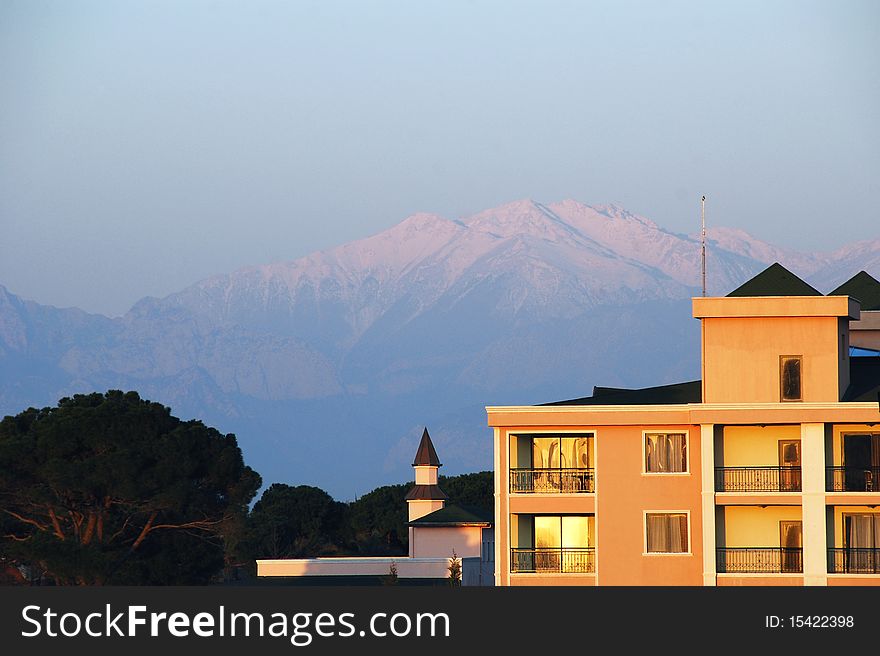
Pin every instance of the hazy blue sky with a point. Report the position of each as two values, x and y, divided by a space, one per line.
146 145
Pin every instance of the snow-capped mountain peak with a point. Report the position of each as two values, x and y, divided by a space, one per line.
344 350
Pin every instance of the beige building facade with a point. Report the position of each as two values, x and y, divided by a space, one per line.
766 471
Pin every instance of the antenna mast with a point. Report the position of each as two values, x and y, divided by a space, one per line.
703 242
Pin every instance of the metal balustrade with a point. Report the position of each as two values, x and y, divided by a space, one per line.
549 560
552 481
757 479
852 479
854 560
759 560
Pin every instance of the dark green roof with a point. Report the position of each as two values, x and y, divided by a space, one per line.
864 380
426 455
456 516
864 385
775 280
862 287
689 392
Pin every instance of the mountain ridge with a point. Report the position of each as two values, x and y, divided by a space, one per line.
357 347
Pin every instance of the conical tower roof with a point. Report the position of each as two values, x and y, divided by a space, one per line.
426 456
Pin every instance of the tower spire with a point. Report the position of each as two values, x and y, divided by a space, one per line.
425 496
426 456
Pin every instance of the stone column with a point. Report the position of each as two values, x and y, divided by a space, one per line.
707 475
813 511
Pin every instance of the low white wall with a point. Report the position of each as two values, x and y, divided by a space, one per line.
407 568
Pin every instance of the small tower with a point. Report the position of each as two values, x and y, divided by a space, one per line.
425 496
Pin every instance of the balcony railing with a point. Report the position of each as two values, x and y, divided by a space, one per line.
553 481
854 560
757 479
852 479
759 560
549 560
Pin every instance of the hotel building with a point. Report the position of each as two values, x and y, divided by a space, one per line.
764 472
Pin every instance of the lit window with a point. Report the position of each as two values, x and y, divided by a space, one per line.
666 532
551 464
561 452
665 453
790 377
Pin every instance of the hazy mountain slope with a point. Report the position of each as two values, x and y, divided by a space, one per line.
327 366
844 262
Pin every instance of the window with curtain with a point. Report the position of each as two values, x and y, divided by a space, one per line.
862 531
562 543
665 453
565 531
561 452
862 535
552 464
790 377
666 532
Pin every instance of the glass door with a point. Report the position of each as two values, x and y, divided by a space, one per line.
861 459
791 544
563 543
545 460
548 543
861 535
576 541
790 463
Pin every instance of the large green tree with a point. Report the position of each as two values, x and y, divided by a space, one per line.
111 488
295 522
378 521
476 489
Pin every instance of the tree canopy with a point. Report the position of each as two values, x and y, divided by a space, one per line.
378 521
111 488
296 522
305 522
477 489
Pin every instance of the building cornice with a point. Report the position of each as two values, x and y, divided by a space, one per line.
775 306
562 409
690 413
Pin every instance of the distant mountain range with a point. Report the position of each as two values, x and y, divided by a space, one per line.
328 367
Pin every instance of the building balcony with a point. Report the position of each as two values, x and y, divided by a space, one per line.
552 481
553 560
757 479
852 479
760 560
853 560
